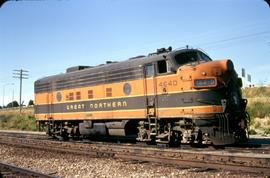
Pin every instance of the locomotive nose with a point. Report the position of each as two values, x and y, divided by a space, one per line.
211 74
228 70
221 68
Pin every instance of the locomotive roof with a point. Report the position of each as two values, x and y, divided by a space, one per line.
130 63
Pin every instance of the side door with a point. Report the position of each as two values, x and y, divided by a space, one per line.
150 89
50 103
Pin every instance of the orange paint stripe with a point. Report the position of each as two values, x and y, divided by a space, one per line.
133 114
182 111
121 114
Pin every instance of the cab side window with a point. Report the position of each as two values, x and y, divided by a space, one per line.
162 66
149 70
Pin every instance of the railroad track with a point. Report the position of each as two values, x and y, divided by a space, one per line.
214 159
254 145
8 170
23 134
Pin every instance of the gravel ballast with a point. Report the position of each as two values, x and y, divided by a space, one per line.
71 165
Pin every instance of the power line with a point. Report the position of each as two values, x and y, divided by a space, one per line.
234 38
20 74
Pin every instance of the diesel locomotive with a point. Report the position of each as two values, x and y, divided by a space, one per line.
169 96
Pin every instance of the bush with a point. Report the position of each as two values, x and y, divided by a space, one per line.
31 103
257 125
13 104
267 130
259 109
252 132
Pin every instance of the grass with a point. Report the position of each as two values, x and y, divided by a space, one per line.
257 125
267 130
256 92
252 132
258 101
12 120
258 108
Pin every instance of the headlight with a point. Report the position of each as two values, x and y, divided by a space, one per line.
205 83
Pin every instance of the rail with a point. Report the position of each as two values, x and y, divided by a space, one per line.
216 159
8 170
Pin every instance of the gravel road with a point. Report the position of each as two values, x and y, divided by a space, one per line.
70 165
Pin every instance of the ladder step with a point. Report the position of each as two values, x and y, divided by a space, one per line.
161 136
159 141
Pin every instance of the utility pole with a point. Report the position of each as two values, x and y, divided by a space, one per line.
20 74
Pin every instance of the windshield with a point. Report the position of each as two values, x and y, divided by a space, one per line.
191 57
204 57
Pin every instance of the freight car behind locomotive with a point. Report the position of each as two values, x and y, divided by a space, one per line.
173 97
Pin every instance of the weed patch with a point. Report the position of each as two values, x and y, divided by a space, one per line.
14 121
259 109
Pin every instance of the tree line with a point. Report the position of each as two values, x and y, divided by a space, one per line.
14 104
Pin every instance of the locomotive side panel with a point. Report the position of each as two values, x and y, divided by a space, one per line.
122 100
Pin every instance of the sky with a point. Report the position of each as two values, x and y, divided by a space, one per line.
45 37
